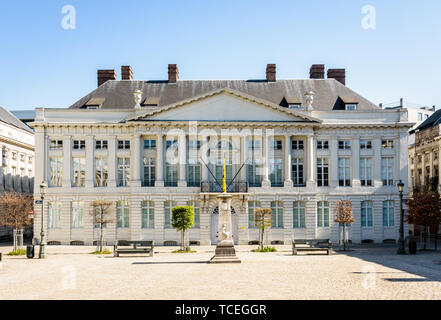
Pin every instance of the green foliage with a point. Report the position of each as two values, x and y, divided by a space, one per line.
102 252
265 249
182 217
17 252
187 250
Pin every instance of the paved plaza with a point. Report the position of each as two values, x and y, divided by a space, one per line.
72 272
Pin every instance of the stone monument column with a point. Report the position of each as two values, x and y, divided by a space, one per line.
225 252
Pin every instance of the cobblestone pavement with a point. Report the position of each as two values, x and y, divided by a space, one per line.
364 273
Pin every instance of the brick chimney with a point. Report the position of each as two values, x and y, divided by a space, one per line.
126 73
337 74
104 75
271 72
173 73
317 71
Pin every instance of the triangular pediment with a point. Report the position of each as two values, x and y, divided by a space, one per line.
223 105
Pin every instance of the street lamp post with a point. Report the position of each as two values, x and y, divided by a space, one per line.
401 249
42 253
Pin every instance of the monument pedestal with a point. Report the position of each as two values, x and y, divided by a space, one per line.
225 252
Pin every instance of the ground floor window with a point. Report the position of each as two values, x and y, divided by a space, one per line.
366 213
77 214
323 214
54 214
197 213
252 206
299 214
148 214
277 214
122 214
388 213
168 206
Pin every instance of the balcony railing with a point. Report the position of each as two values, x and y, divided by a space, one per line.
211 186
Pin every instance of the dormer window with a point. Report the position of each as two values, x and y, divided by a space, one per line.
350 107
94 103
293 102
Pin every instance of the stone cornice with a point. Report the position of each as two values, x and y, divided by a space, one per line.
17 143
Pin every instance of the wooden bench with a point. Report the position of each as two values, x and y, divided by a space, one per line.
124 246
311 245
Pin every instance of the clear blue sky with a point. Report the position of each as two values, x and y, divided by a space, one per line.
44 65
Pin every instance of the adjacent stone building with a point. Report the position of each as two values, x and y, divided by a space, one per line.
296 146
17 157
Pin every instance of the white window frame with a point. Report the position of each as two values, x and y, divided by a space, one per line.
299 215
366 172
147 214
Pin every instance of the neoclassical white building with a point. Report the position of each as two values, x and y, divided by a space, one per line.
17 158
296 146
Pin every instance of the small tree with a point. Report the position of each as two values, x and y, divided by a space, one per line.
262 220
343 215
101 213
424 210
14 211
182 219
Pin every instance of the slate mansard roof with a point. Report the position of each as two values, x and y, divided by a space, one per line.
9 118
329 94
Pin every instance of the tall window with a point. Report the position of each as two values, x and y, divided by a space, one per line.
344 168
101 144
387 171
56 144
171 169
123 172
194 173
322 172
168 206
194 144
365 144
197 213
79 144
276 173
79 172
171 175
344 144
77 214
56 165
123 144
254 178
366 213
388 213
149 172
387 144
323 214
122 214
276 144
297 171
252 206
297 144
54 214
228 168
148 214
149 144
366 171
277 214
254 144
322 144
299 214
101 172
